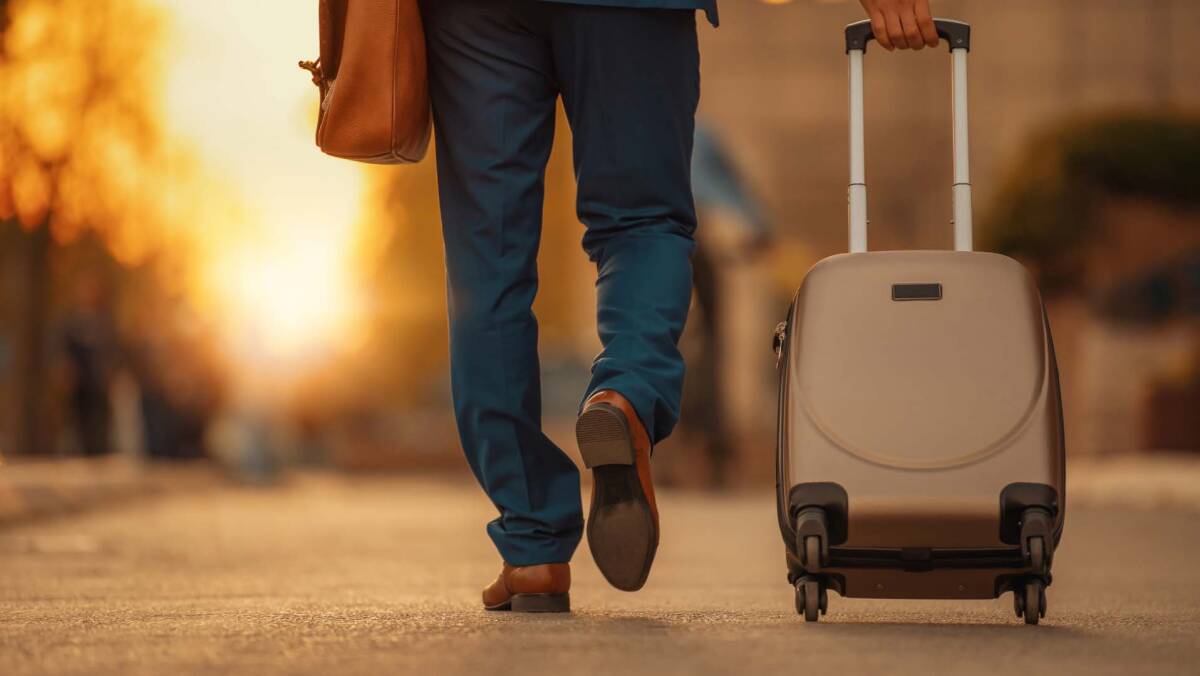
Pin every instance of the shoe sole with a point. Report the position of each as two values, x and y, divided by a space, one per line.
621 531
535 603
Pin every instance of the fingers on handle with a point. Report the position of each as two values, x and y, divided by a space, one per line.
879 28
925 23
912 34
895 30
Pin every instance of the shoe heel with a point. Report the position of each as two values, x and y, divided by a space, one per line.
541 603
602 433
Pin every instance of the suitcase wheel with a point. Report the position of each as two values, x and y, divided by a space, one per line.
1037 554
812 538
1029 601
812 552
812 599
1036 528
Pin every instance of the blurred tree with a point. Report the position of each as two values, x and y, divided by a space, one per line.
1049 207
79 150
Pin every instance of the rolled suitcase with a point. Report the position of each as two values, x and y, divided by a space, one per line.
920 442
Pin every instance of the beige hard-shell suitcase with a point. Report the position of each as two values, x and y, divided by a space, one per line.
920 449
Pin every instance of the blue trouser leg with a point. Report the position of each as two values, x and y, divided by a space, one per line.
496 69
630 85
494 103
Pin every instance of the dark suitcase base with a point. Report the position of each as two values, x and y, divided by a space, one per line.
819 559
1029 591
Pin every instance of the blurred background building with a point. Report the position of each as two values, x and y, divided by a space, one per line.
183 275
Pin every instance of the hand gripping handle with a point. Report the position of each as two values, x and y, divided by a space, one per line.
958 35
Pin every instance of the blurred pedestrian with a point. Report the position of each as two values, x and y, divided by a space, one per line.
90 354
179 391
735 231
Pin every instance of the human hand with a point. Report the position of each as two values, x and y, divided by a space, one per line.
906 24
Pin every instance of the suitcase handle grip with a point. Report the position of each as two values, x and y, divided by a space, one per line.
958 35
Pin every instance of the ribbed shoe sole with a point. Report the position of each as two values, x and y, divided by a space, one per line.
621 531
603 436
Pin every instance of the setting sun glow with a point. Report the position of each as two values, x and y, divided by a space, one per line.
278 276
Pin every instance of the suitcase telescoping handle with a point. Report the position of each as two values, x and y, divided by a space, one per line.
958 35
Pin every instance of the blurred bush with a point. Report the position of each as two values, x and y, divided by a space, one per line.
1050 205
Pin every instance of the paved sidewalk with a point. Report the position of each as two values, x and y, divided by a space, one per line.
1145 481
368 576
48 488
36 489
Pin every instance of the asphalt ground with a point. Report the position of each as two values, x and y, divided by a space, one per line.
382 575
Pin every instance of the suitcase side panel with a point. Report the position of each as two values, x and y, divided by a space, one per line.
919 384
946 506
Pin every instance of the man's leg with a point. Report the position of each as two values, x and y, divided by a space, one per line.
494 97
630 82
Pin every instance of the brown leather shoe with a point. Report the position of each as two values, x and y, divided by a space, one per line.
530 589
622 527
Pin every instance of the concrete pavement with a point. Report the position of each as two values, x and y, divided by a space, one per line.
335 575
57 487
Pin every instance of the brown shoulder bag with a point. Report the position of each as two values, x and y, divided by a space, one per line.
373 82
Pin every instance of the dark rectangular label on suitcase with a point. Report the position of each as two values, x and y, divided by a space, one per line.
932 291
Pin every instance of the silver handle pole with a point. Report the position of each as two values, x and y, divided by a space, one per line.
958 35
963 240
857 194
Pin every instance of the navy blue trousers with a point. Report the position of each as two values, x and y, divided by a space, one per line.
629 80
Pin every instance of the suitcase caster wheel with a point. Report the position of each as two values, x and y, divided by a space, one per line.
1036 528
1030 601
812 599
1037 554
812 552
812 538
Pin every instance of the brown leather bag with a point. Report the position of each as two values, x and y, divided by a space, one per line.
373 81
